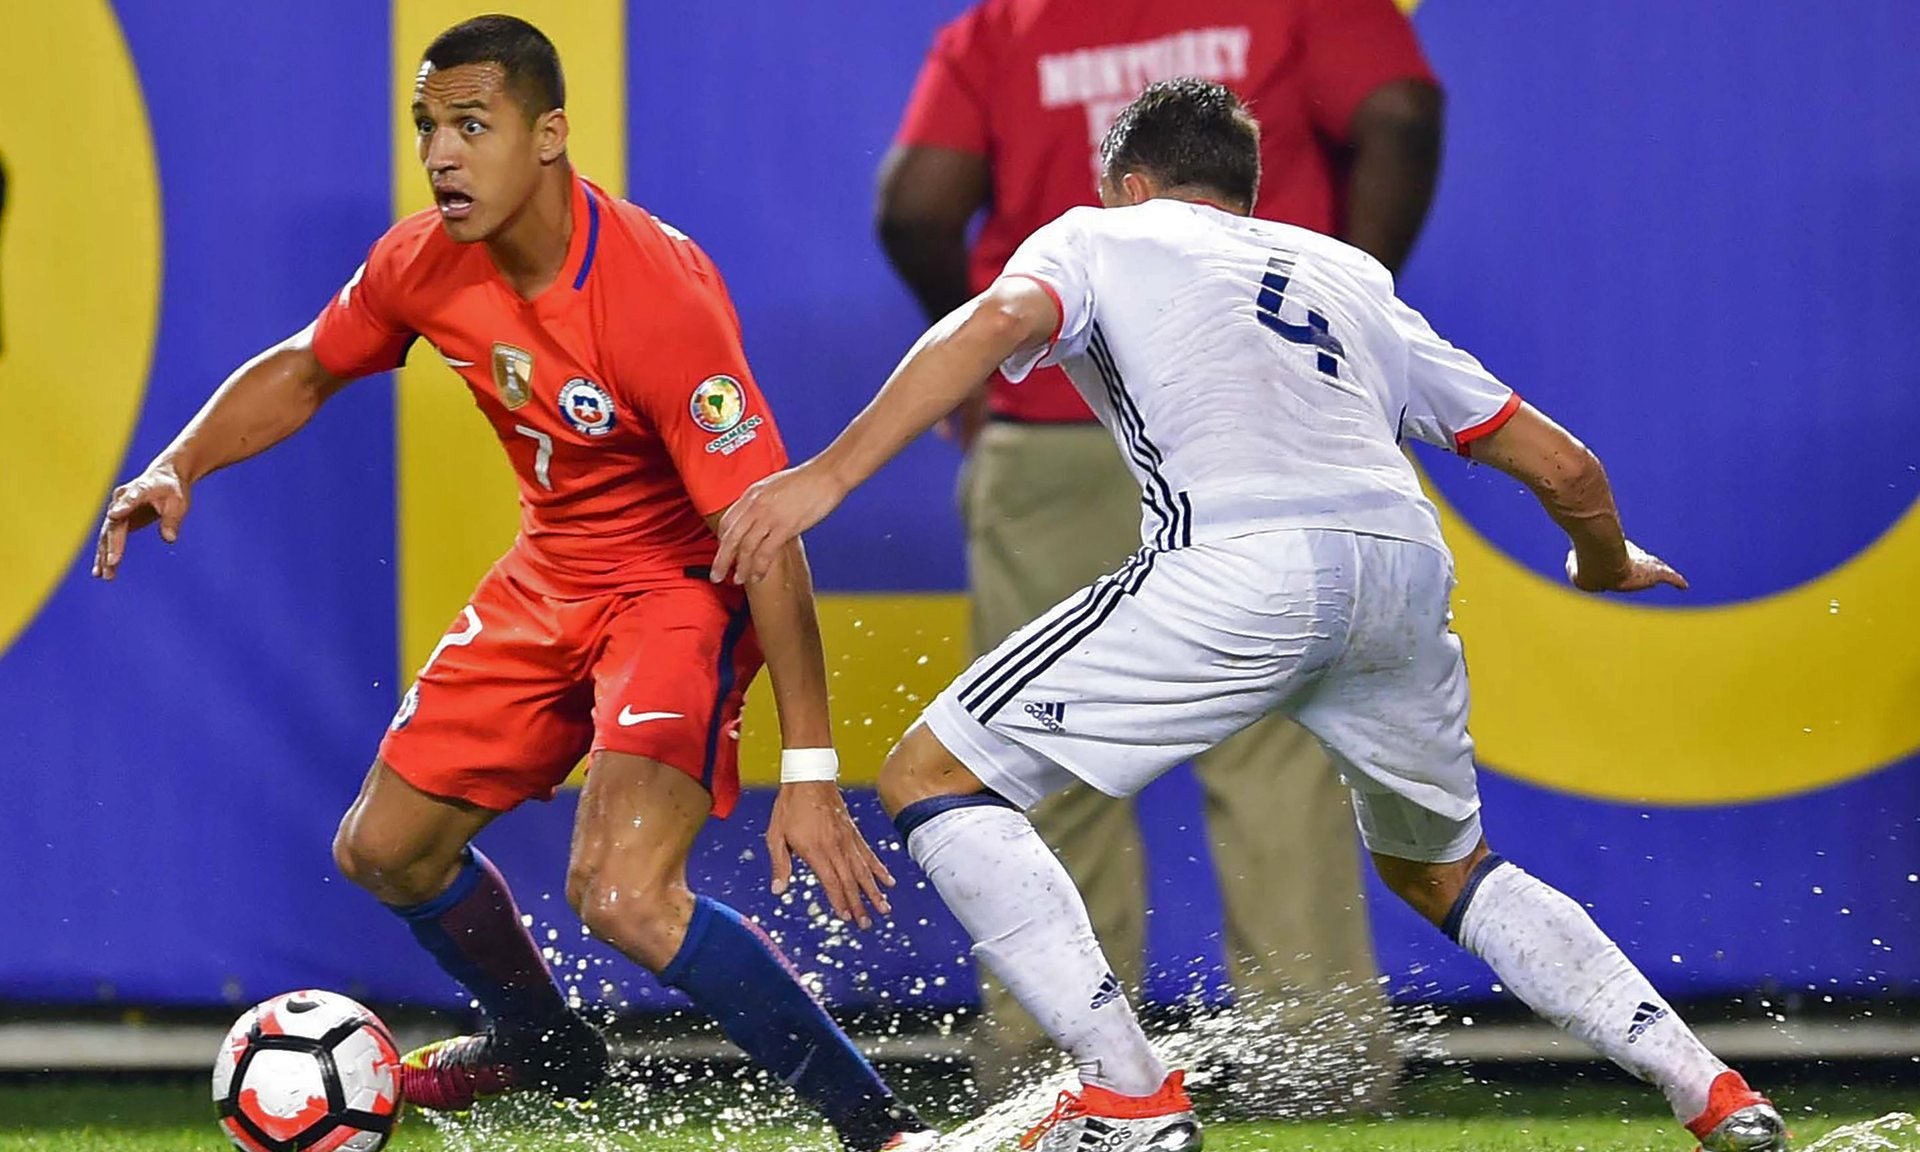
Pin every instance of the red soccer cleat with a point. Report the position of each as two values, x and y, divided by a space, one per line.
453 1075
1097 1118
1738 1119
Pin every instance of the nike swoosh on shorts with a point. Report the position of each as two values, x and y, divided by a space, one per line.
628 717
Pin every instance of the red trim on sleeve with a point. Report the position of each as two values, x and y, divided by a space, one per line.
1050 290
1463 439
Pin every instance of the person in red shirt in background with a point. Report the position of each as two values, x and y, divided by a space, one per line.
1006 117
603 348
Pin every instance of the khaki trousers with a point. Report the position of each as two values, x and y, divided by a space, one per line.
1048 509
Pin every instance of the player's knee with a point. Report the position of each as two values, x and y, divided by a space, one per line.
902 782
1426 893
644 917
352 855
396 873
1429 889
920 768
344 860
894 784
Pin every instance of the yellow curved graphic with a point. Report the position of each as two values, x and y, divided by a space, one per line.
1606 698
79 286
1763 698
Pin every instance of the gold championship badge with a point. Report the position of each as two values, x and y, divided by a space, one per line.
513 375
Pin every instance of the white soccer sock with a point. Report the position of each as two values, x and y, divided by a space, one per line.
1015 899
1554 957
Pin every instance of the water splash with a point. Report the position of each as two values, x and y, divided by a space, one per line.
1293 1057
1894 1132
1282 1058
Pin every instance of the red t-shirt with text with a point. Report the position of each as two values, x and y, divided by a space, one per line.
1034 84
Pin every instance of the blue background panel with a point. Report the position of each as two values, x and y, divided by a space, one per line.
1683 230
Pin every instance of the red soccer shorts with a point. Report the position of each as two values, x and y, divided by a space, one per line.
523 685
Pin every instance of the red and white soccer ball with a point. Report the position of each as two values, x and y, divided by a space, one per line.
308 1072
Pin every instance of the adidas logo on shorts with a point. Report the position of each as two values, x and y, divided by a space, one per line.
1052 715
1644 1017
1107 993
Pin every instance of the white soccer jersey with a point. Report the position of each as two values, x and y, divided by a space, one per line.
1256 375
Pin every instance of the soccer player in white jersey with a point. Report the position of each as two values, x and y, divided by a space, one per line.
1259 379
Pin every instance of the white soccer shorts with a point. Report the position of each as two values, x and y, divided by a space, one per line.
1178 650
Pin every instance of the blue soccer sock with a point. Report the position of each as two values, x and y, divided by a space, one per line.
473 929
738 976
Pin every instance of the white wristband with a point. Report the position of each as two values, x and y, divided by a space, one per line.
809 765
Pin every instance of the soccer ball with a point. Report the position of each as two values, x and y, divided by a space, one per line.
308 1072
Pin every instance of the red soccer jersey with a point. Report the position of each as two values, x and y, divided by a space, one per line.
1034 85
621 393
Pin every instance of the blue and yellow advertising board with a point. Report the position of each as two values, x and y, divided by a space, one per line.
1684 233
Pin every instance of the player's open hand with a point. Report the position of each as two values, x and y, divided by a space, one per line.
811 820
769 516
1642 571
155 495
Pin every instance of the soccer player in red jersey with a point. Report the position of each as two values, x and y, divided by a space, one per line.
604 350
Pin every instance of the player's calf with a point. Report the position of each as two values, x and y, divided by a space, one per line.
411 851
627 880
1016 901
1553 956
627 877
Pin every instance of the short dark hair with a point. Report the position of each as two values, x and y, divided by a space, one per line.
523 52
1187 133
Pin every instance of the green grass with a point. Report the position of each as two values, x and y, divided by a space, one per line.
1441 1114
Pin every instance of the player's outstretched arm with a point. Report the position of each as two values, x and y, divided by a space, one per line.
948 364
810 817
1572 486
266 400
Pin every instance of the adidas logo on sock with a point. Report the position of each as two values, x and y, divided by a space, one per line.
1107 993
1644 1017
1051 714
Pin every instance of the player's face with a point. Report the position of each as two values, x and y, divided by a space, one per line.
482 156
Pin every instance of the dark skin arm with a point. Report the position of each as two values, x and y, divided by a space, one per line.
266 400
925 200
810 820
1395 162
